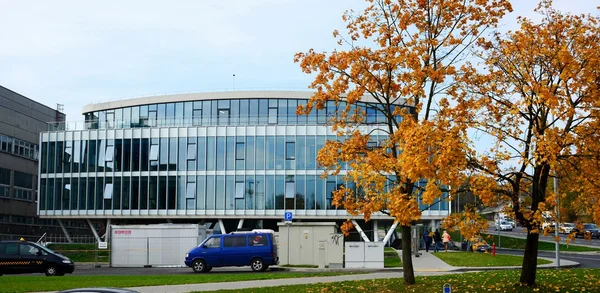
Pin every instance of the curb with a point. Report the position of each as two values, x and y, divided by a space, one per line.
566 252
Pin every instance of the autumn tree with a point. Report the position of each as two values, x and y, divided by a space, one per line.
400 58
536 96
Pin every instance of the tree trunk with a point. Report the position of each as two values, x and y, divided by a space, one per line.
528 270
407 266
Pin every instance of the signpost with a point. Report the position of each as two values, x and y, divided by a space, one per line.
447 288
287 218
103 246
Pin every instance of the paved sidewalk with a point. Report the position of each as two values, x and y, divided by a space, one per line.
428 262
263 283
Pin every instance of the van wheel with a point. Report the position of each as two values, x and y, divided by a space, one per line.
199 266
258 265
51 270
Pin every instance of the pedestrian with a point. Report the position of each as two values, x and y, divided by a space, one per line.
427 239
437 239
446 239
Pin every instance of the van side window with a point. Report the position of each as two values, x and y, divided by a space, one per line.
234 241
9 248
27 249
214 242
258 240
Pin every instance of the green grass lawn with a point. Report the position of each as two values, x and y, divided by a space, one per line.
15 283
391 259
80 252
574 280
518 243
477 259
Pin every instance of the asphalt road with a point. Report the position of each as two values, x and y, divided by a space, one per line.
519 232
585 260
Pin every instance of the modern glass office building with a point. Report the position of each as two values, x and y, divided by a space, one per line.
215 157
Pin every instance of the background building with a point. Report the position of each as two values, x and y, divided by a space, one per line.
21 121
231 159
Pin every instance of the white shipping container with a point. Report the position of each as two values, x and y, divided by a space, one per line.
154 245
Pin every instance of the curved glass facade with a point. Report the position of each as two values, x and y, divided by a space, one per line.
218 112
245 157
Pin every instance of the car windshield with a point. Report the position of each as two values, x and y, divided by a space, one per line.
589 226
568 225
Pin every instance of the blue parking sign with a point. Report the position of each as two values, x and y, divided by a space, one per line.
288 216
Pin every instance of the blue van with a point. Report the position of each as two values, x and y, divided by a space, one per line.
256 249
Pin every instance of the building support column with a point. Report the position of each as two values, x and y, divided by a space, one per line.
240 224
390 232
107 231
222 226
375 232
212 225
93 230
62 226
360 231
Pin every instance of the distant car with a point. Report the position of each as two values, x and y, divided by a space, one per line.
511 222
480 245
99 290
255 249
503 226
588 229
23 257
566 228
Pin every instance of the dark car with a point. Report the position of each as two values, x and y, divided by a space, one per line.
22 257
588 229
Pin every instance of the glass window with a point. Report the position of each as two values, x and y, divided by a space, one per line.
270 153
223 116
206 114
210 149
311 153
110 152
9 248
210 192
230 153
272 115
239 150
182 162
371 115
171 192
197 117
244 105
253 112
220 193
200 191
250 193
290 154
220 153
320 194
239 190
249 152
214 242
198 105
331 187
258 240
263 111
279 192
191 152
153 152
234 241
201 153
291 112
108 191
290 189
270 192
300 192
230 192
282 119
279 153
172 154
179 111
260 153
310 192
235 112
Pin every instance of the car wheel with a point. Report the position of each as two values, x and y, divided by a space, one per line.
199 266
51 270
257 265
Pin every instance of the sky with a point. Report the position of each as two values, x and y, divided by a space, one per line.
81 52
